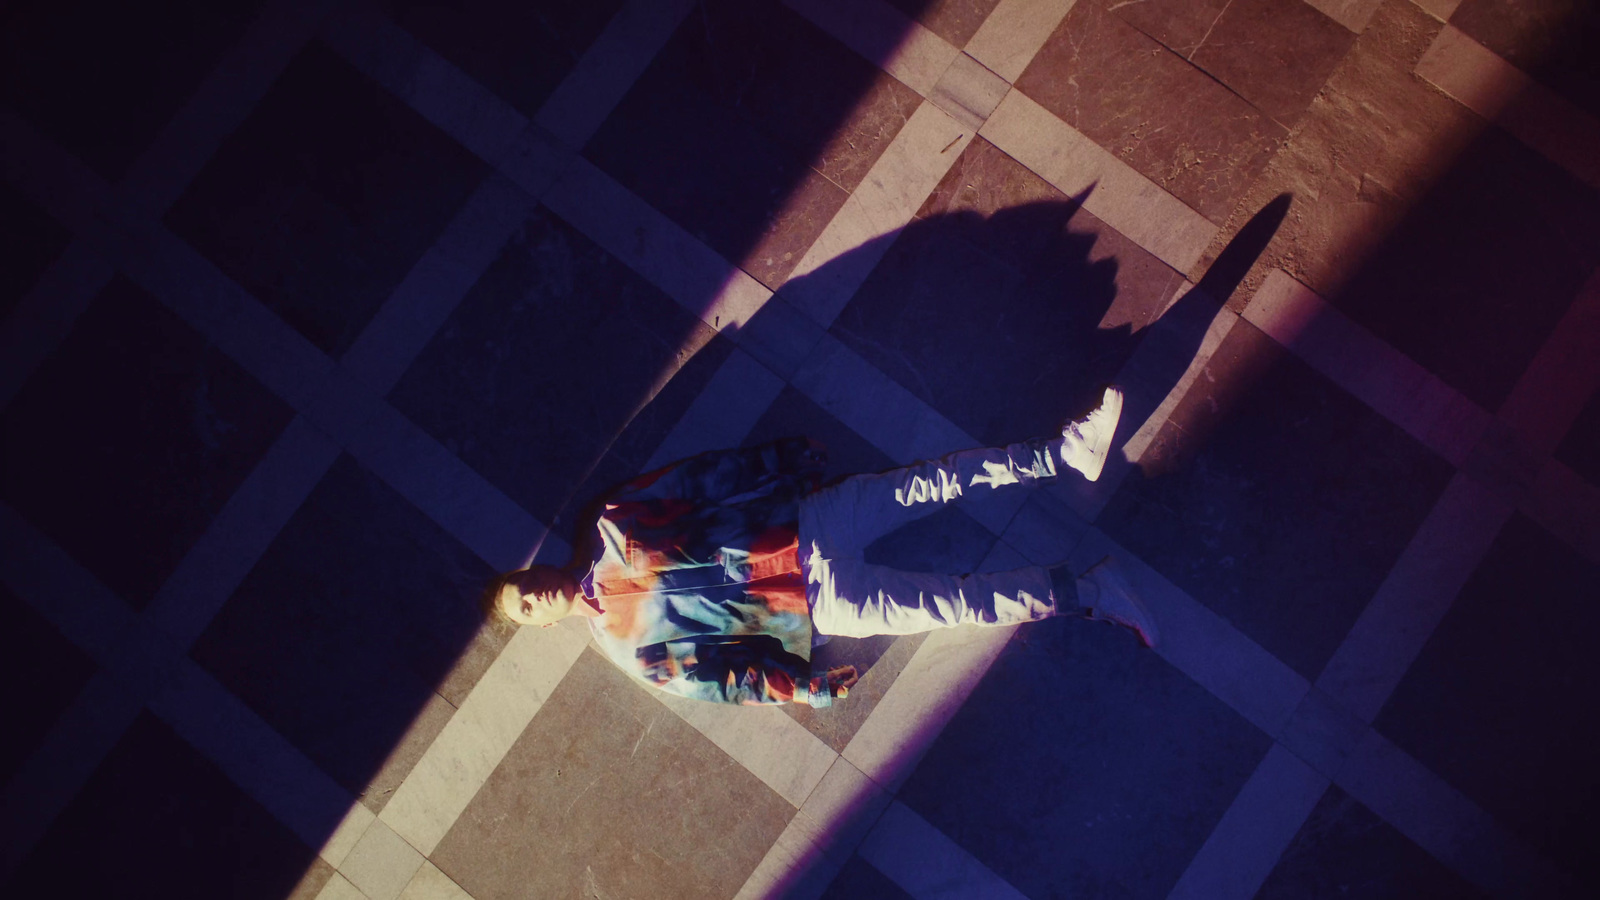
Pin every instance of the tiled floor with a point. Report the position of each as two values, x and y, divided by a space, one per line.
318 313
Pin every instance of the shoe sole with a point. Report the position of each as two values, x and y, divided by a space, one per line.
1112 401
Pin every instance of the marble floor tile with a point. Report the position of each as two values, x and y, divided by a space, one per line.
49 671
320 203
368 604
1274 53
1490 702
1580 449
160 816
1344 850
1281 503
103 81
38 239
1064 768
622 797
519 51
542 436
164 428
1552 40
859 879
719 135
1174 124
381 863
954 20
1503 222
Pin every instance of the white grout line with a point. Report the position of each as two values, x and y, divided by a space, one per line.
821 837
1567 506
1117 194
1500 92
222 101
1417 802
1245 845
1352 14
1439 9
1562 377
477 737
926 863
723 413
849 248
1014 33
719 293
45 315
769 744
437 283
1377 374
1415 596
609 68
885 37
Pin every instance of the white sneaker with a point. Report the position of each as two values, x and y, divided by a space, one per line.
1087 442
1115 601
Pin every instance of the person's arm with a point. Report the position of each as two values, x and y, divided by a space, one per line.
746 669
723 474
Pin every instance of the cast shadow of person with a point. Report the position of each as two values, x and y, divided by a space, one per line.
1006 323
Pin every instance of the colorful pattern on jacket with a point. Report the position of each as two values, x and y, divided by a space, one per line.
697 571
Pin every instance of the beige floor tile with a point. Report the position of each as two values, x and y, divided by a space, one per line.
772 746
346 833
381 863
969 92
339 888
431 884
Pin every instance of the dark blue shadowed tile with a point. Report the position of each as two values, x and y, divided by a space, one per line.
352 618
860 880
749 129
46 671
1005 305
1084 765
1276 499
521 51
102 79
547 360
1473 280
1345 852
323 199
1500 701
1580 449
158 819
33 241
131 437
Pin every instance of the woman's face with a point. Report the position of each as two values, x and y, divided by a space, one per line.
540 595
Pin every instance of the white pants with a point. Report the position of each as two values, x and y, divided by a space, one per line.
852 598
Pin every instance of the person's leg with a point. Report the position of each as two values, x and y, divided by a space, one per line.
844 518
852 598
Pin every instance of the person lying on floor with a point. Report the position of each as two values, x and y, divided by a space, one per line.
714 577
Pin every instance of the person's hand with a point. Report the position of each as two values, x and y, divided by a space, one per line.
841 679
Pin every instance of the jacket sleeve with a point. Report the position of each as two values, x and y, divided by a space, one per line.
746 669
725 474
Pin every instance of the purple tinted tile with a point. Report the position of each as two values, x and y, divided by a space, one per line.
323 199
1553 40
130 437
1274 53
1500 700
104 78
1345 851
749 129
860 879
1276 499
1082 762
159 819
355 614
521 51
47 670
1168 120
546 369
1473 280
1580 449
34 240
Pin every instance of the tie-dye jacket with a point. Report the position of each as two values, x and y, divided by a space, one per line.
697 574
